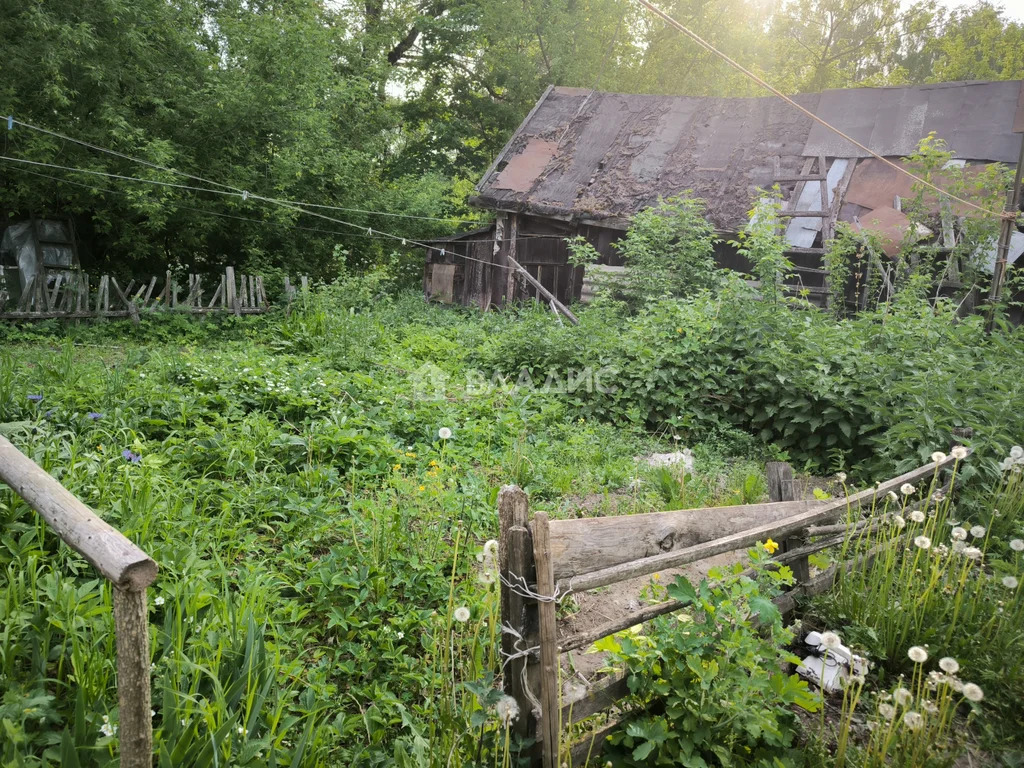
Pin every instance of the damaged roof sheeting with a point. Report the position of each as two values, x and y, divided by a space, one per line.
590 155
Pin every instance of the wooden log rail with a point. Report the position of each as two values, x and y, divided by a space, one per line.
129 570
71 296
541 560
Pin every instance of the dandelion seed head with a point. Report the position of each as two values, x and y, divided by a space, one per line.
938 457
958 534
444 433
913 720
461 614
949 665
917 516
917 654
888 711
907 489
973 692
977 531
972 552
507 710
1010 582
1016 452
841 477
892 496
923 542
958 452
1017 545
899 522
902 696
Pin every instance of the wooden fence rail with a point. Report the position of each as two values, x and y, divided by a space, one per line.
75 295
542 560
129 570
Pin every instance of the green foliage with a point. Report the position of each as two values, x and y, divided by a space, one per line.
762 244
723 700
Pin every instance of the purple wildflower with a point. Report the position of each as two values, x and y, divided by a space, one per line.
35 398
49 413
131 456
94 416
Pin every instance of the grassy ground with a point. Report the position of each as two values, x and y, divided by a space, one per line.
318 491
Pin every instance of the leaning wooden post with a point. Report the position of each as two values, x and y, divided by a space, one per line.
780 488
550 727
518 615
129 570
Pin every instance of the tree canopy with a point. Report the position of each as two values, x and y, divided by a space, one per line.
387 110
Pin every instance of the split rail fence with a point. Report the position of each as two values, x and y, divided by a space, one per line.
129 570
542 560
73 295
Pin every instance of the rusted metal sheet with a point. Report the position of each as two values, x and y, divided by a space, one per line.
876 184
888 224
523 169
977 120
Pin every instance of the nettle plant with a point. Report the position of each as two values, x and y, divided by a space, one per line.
714 673
762 244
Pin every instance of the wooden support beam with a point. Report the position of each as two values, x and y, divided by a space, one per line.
780 488
121 562
543 291
550 726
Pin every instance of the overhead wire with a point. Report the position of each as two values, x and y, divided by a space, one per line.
370 234
764 84
14 121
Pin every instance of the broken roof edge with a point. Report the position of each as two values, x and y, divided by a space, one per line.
508 144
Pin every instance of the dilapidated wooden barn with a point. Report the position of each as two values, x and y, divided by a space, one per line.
585 162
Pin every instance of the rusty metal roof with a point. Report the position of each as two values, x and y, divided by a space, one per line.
591 155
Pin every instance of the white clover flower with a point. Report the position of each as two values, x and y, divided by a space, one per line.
949 665
841 477
917 516
917 654
907 489
888 711
1016 452
938 457
461 614
959 452
1017 545
973 693
400 634
923 542
913 720
892 496
830 641
507 709
973 553
958 534
902 696
158 601
978 531
1010 582
444 433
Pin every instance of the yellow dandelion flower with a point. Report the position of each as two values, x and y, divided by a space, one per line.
423 488
397 467
411 455
770 546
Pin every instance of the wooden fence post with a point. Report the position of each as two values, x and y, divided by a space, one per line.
515 566
780 488
135 730
550 725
